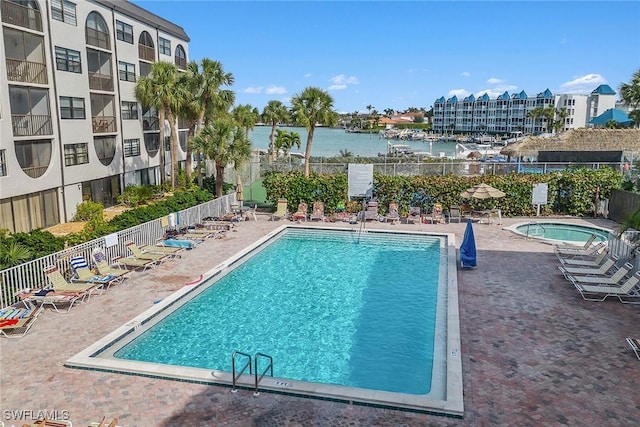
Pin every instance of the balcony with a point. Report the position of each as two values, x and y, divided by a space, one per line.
104 124
31 125
99 81
146 53
35 171
19 70
22 16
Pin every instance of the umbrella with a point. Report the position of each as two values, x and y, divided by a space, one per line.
468 257
482 191
474 155
239 189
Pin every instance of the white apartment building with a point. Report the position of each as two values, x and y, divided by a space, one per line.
510 113
70 126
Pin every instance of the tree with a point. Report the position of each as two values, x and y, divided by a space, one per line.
286 140
246 117
162 91
205 82
630 92
558 124
388 112
273 113
534 114
635 116
311 107
346 153
369 108
224 142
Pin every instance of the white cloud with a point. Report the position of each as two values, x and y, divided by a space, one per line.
337 87
563 40
307 75
494 81
341 79
253 89
496 91
583 84
276 90
460 93
465 74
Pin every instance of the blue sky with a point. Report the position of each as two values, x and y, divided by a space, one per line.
395 54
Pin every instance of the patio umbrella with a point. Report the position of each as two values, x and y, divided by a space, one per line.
482 191
474 155
239 189
468 257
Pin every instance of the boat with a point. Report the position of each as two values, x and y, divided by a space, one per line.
467 150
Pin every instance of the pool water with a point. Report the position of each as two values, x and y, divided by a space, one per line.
329 307
562 232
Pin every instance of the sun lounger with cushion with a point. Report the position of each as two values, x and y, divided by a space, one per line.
84 274
60 284
103 267
16 320
141 254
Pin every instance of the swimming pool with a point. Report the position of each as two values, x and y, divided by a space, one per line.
556 232
359 325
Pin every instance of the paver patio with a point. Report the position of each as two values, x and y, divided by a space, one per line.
533 352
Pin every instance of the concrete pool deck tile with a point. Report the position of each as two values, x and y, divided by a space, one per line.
533 352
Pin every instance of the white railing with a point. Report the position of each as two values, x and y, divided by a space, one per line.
31 274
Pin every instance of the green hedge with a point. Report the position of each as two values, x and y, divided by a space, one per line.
571 192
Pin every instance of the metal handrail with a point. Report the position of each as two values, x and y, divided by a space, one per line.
244 368
537 225
268 368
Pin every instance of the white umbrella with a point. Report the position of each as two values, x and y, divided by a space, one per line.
482 191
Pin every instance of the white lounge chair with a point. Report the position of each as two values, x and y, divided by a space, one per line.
634 343
599 279
579 251
602 269
627 291
587 244
585 261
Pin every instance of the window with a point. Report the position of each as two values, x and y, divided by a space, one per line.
71 108
145 47
63 10
145 69
150 119
68 60
181 58
124 32
165 46
96 31
34 156
105 148
131 147
76 154
152 143
129 110
127 71
3 163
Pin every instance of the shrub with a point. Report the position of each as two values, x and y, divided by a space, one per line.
88 211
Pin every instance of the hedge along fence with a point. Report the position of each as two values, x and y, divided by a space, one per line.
571 191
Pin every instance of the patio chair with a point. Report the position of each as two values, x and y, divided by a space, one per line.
634 343
436 216
414 215
145 255
252 213
135 263
301 213
103 267
317 212
60 284
602 280
585 261
16 321
371 213
84 274
455 213
281 210
626 291
169 251
602 269
392 216
567 246
579 251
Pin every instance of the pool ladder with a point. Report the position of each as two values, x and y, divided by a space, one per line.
257 377
537 227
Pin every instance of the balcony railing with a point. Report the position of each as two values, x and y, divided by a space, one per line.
35 171
99 81
19 70
181 63
146 53
104 124
20 15
31 125
97 38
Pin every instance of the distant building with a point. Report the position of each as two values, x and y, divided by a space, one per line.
70 126
510 113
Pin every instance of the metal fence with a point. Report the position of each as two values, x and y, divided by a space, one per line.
31 274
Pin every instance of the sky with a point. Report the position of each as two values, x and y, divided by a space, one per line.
403 54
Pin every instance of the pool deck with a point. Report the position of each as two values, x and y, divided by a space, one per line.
533 351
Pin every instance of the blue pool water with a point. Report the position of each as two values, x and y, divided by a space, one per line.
562 232
326 307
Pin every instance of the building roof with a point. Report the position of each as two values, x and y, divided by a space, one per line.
546 94
453 99
484 97
504 96
441 100
611 114
127 8
470 98
627 140
604 90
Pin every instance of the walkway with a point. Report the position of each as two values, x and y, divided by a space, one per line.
534 353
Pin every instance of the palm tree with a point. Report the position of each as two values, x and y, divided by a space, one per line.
205 82
346 153
286 140
369 108
223 142
562 114
534 114
13 254
549 113
273 113
630 92
388 112
246 117
635 116
311 107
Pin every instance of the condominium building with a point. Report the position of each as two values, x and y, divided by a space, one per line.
70 126
511 113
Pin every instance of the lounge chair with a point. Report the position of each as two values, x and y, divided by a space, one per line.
626 291
585 261
634 343
281 210
103 267
301 213
602 269
602 279
371 213
579 251
60 284
84 274
414 215
392 216
455 213
134 263
561 247
436 216
140 254
170 251
45 422
16 320
317 212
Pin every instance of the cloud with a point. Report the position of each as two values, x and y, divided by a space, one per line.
253 89
582 84
465 74
276 90
496 91
341 79
307 75
460 93
494 81
337 87
563 40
